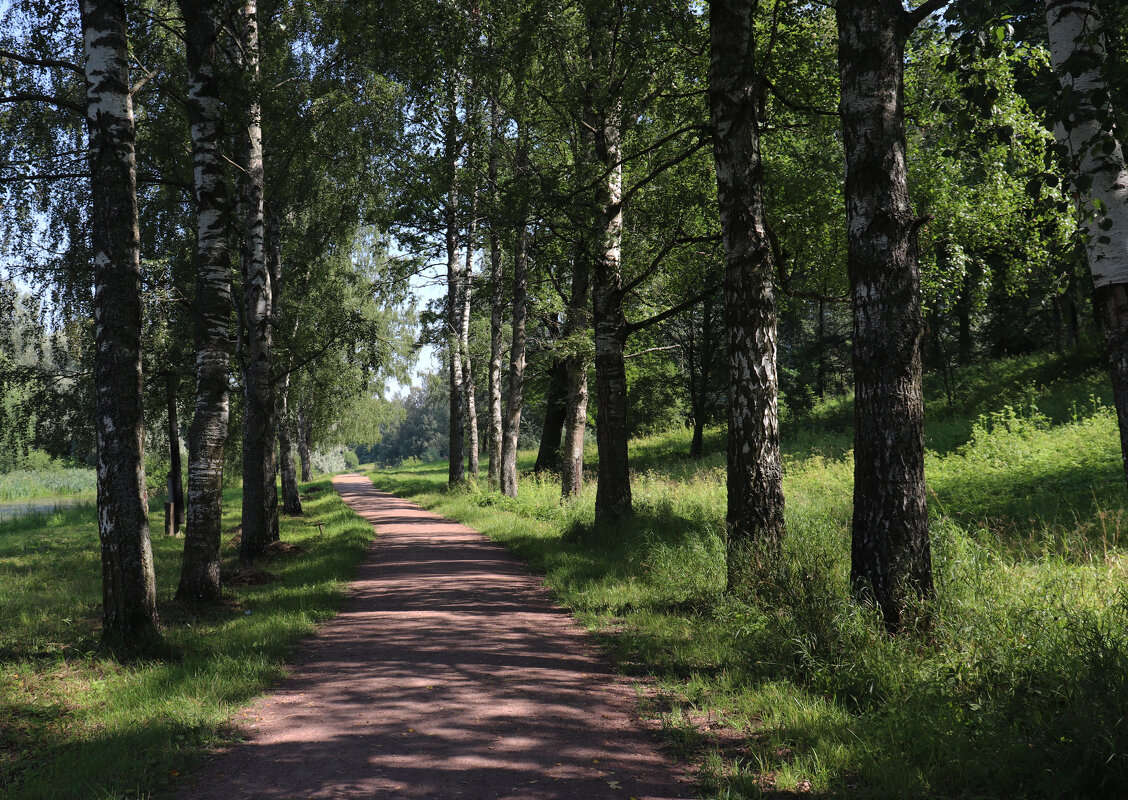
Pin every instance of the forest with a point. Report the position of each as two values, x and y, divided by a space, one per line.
789 341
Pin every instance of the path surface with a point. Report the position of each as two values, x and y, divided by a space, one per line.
449 674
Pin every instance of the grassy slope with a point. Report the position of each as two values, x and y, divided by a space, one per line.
75 724
1018 690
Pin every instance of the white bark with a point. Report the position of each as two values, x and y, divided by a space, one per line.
497 274
1077 52
468 386
129 613
260 500
212 309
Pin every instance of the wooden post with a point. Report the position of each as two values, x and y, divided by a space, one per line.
170 519
173 493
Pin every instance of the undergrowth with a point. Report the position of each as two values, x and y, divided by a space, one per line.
1019 688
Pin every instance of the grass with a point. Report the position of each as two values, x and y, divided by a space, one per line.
75 723
32 484
1020 688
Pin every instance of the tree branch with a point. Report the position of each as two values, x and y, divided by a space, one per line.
42 62
635 327
918 14
781 258
45 176
665 251
653 350
778 95
654 262
149 75
37 97
627 195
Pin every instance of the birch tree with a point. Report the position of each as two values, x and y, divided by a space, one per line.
452 150
628 71
603 116
468 387
891 560
514 399
305 444
211 309
260 494
291 502
1077 51
291 499
555 408
497 298
129 609
754 519
577 321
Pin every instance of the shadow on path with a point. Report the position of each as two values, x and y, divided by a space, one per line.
449 674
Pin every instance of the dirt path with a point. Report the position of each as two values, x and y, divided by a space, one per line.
449 674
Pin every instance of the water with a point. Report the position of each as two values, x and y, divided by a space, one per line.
40 505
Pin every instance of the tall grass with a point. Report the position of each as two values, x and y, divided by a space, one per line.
75 723
1017 688
30 484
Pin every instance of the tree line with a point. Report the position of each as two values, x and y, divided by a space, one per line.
206 220
666 177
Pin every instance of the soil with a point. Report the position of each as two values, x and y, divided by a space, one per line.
450 673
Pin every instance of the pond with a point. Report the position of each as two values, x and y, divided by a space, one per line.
40 505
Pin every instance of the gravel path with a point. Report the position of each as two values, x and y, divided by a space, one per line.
449 674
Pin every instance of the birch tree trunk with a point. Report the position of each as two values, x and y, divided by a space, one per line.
212 308
304 444
456 473
272 251
260 500
689 348
701 356
464 343
129 608
291 499
754 518
577 323
820 368
1077 51
175 473
613 492
891 559
517 347
602 144
497 304
555 412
